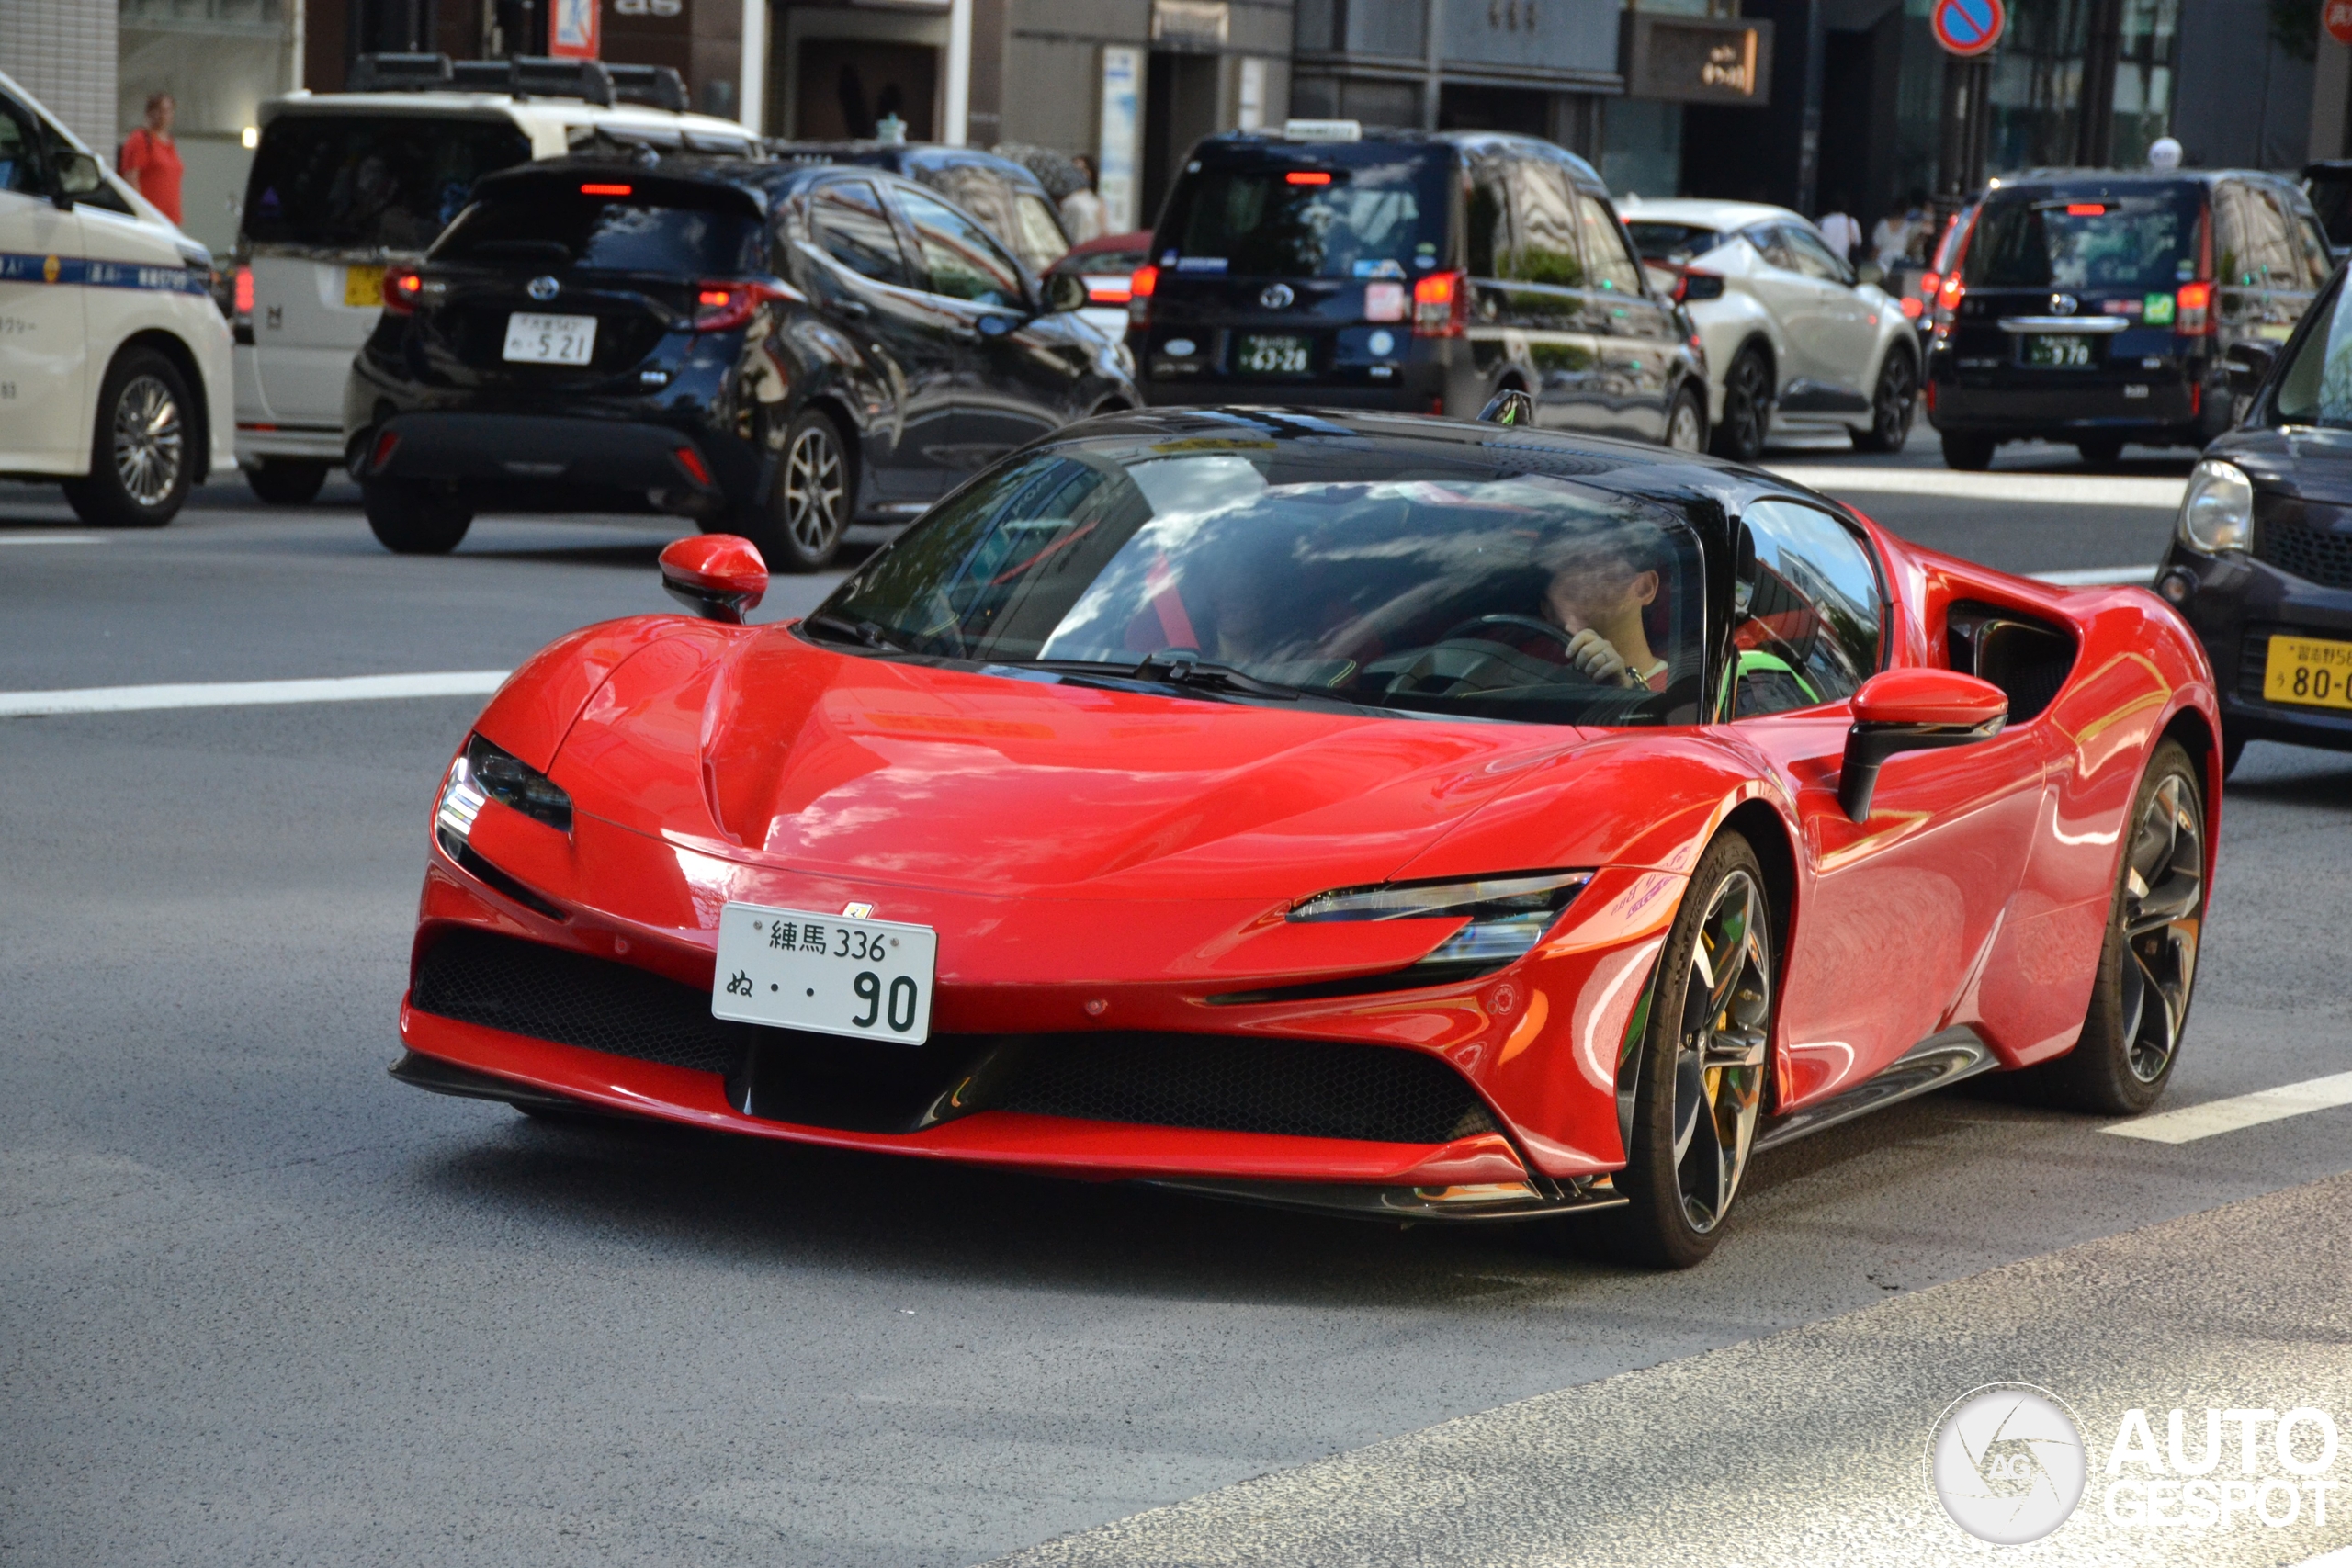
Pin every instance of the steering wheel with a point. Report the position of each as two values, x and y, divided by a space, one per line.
1522 622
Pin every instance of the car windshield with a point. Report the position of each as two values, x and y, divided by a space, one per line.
2092 241
1671 242
2316 388
370 182
1409 576
540 223
1369 213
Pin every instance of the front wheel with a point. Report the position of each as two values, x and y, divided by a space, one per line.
139 465
414 517
1686 423
1893 406
2148 963
810 500
1747 408
1697 1084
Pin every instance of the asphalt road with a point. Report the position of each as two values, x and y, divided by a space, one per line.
259 1303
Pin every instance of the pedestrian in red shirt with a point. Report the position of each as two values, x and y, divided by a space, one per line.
151 160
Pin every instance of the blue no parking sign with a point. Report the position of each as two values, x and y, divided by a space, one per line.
1968 27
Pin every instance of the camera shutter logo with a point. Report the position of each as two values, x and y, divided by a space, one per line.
2006 1463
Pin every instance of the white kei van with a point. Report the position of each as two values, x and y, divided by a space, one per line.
344 183
114 360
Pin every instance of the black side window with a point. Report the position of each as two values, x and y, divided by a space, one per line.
1546 213
849 224
19 170
1489 236
1807 611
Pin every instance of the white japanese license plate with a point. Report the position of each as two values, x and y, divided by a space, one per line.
549 339
833 974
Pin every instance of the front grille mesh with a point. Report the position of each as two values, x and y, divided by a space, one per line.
1213 1082
570 999
1311 1088
2321 558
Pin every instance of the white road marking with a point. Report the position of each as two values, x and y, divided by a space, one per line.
2092 576
2340 1558
239 693
52 540
2061 489
2217 1116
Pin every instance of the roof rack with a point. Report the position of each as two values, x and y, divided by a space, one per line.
656 86
534 75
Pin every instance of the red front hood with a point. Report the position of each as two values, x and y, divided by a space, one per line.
763 747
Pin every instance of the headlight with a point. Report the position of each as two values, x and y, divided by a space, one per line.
2216 512
1508 914
483 771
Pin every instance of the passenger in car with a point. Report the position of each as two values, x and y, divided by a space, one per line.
1600 591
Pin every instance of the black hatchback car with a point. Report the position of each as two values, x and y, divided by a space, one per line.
2098 308
773 350
1423 273
2261 558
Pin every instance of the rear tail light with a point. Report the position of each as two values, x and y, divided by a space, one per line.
244 294
1307 177
402 286
1441 305
1948 297
721 306
387 444
1115 290
1692 287
2193 309
1139 292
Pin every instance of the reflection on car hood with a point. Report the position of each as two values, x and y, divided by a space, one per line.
795 755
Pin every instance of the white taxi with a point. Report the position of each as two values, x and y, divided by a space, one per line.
114 360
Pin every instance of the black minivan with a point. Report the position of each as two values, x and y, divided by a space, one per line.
1419 272
2098 308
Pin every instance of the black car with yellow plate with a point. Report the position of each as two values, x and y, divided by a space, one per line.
2261 559
2095 307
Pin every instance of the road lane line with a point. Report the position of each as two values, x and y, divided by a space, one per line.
2061 489
2191 1122
52 540
2094 576
241 693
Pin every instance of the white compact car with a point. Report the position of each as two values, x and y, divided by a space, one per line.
114 361
344 183
1794 341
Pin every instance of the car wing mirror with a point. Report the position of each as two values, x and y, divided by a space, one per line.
719 577
1065 291
1509 406
2247 363
78 174
1913 710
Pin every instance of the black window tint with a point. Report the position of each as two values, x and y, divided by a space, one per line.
2330 196
391 182
688 232
1488 237
18 169
1366 211
850 227
962 261
2094 241
1546 213
1806 623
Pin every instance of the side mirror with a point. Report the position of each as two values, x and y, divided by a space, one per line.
1913 710
1509 406
78 174
2246 363
1066 291
719 577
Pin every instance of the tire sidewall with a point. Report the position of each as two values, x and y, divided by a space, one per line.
2102 1076
1732 438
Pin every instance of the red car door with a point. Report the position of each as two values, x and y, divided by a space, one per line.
1893 914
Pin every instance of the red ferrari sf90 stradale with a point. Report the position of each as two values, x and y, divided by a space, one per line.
1359 812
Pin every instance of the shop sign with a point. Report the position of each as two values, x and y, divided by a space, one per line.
1191 21
1699 60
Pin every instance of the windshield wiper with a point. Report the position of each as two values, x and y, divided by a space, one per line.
866 634
1170 667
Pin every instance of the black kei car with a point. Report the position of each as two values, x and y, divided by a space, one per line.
2261 557
2096 308
1418 272
773 350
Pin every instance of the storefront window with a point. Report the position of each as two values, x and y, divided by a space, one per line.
2038 82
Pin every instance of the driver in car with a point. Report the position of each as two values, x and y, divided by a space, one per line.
1600 585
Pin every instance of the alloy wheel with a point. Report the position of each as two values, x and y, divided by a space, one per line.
147 440
1744 394
815 482
2164 905
1892 409
1719 1054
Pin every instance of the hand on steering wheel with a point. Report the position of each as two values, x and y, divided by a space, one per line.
1586 653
